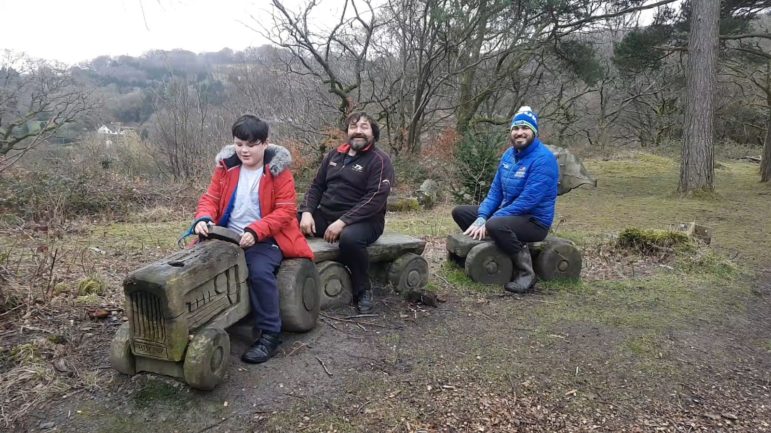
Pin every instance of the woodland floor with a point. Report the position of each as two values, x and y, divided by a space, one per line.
679 341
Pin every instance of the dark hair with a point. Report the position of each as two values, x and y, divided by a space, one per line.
250 128
355 117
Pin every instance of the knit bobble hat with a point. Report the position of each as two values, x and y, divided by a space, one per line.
525 117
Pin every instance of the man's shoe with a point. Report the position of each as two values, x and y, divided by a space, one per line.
262 349
524 275
365 304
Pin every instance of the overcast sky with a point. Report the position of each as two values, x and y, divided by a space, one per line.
72 31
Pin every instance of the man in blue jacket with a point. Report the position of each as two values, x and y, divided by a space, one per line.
519 207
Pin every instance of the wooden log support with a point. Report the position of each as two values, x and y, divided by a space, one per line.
395 260
553 258
299 289
335 284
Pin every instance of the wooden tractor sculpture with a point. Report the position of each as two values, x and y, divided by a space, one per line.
554 258
179 308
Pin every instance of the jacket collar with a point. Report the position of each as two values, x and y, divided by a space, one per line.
277 158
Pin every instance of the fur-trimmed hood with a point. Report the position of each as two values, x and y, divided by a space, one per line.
277 157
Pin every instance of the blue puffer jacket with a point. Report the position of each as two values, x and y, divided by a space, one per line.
525 184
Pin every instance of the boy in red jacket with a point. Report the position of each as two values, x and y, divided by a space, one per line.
252 192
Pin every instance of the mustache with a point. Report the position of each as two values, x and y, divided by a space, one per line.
357 135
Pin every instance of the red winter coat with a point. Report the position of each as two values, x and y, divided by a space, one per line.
278 200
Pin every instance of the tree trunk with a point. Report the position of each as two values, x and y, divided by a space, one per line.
697 169
765 162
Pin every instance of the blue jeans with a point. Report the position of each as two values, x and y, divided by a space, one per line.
262 261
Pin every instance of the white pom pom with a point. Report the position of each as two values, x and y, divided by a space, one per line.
524 108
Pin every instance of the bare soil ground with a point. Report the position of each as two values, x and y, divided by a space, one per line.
678 342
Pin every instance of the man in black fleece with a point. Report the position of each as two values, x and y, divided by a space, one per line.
347 201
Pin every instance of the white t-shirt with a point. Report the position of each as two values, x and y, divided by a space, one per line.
246 209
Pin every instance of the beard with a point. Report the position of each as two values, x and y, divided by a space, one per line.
358 141
513 143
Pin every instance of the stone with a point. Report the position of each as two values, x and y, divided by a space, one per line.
572 171
695 231
428 194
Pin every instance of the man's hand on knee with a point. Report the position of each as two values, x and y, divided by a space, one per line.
479 232
333 231
307 224
477 229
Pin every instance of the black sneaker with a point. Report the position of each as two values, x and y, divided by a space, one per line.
262 349
365 304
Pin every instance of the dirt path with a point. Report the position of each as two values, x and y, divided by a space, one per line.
479 362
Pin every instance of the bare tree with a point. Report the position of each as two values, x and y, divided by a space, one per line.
295 106
337 57
187 131
36 100
697 169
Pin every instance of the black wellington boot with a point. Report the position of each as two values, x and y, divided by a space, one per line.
524 275
365 303
262 349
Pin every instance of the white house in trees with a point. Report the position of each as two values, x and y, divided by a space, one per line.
115 130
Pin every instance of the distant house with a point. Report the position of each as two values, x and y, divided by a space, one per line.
112 130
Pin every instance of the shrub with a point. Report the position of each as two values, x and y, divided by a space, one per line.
476 161
56 196
91 286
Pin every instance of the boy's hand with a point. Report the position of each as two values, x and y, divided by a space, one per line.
202 228
247 240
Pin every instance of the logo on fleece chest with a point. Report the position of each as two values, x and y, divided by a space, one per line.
520 172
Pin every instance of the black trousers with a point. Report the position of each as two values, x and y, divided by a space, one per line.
508 232
354 240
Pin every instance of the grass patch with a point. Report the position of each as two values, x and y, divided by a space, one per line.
460 282
656 303
138 236
648 242
640 192
436 222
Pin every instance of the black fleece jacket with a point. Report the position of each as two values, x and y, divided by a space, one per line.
351 188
